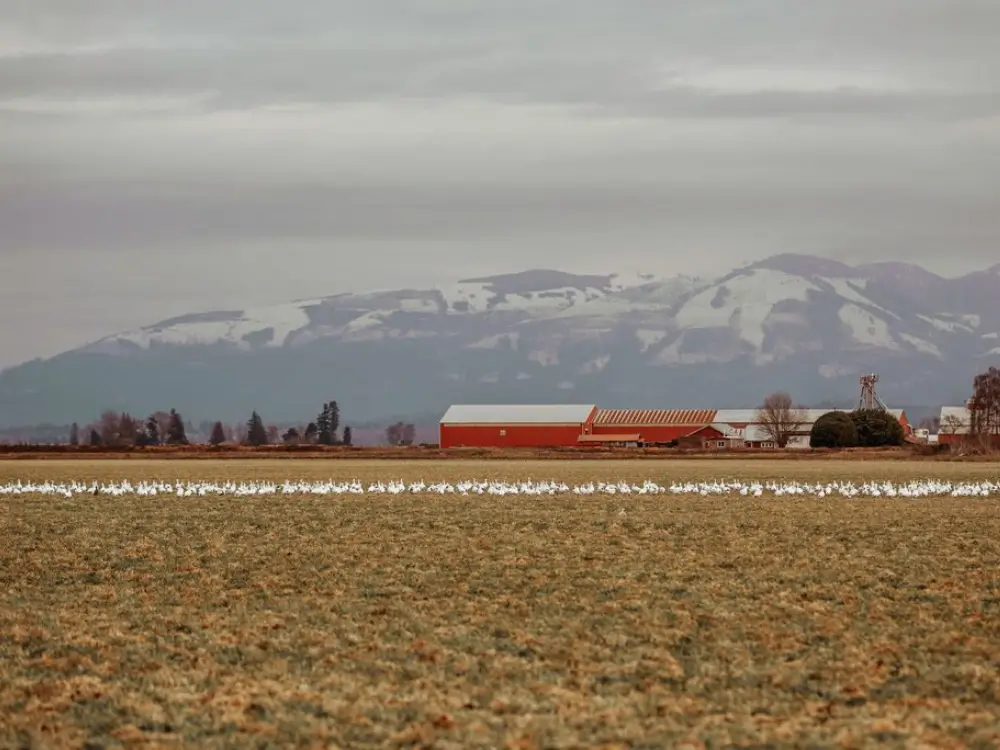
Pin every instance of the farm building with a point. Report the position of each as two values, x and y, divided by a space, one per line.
515 426
956 426
744 423
653 425
565 425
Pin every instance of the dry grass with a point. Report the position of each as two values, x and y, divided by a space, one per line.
485 622
925 453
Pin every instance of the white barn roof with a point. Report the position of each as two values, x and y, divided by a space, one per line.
749 416
954 420
518 414
738 416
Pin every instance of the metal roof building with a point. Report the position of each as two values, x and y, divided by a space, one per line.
515 425
655 425
955 420
651 417
518 413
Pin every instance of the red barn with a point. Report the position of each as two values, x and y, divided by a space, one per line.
654 425
515 426
956 428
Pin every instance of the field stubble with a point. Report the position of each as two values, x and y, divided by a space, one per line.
482 622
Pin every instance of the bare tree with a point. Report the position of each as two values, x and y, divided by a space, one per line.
780 419
108 426
984 408
400 434
951 424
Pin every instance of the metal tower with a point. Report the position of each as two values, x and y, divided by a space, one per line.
869 398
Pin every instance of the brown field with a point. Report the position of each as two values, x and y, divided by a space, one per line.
525 622
433 453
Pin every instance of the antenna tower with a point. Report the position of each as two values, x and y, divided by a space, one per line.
869 398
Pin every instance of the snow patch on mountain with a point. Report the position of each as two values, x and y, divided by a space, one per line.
921 345
265 326
602 307
467 297
848 290
595 365
545 357
628 280
500 340
682 351
649 337
947 326
866 328
418 305
743 303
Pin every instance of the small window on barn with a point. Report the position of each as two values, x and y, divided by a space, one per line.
721 444
503 433
767 445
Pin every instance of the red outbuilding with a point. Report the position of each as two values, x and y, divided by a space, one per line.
655 425
515 426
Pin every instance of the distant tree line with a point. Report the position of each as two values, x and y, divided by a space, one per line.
120 429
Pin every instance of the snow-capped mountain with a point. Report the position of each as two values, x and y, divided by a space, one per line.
799 323
397 313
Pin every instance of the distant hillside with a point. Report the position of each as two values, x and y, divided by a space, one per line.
807 325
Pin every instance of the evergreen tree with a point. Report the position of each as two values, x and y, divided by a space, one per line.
324 435
74 434
311 432
218 436
95 437
176 434
256 431
347 435
291 436
834 429
877 428
152 430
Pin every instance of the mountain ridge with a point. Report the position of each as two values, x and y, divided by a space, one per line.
801 323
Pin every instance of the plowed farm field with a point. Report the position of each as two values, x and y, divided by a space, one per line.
447 621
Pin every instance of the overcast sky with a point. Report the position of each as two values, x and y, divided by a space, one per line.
158 158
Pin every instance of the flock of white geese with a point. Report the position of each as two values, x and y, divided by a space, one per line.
496 487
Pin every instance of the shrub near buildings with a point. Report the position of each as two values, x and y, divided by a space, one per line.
876 428
834 430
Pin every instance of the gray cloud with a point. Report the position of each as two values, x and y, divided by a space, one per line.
257 151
